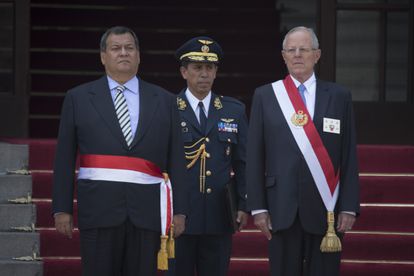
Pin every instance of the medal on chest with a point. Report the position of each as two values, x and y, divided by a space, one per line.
299 118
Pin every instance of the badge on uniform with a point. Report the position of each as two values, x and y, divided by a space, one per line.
331 125
226 125
181 104
184 127
217 103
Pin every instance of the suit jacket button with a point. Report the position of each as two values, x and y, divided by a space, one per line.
208 155
208 190
208 173
207 140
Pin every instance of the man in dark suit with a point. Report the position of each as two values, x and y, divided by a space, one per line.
127 136
214 129
302 164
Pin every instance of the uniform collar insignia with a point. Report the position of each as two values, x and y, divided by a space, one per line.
182 105
217 103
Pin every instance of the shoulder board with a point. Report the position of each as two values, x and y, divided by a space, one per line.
227 99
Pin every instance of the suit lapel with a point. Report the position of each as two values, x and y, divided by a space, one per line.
148 103
104 105
188 113
322 100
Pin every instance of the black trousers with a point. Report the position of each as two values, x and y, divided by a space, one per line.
124 250
208 255
293 252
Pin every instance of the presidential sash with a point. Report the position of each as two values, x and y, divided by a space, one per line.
137 171
313 150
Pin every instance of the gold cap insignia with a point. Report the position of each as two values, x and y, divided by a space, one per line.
205 49
217 103
181 104
300 118
205 42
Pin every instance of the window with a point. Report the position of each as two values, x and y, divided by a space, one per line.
373 49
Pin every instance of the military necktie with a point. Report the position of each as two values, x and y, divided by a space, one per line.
122 113
202 116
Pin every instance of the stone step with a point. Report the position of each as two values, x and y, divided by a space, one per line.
14 186
13 157
10 267
16 215
15 244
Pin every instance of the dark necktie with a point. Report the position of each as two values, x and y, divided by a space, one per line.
202 116
302 90
122 113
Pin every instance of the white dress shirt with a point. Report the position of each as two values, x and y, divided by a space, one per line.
131 94
310 93
193 101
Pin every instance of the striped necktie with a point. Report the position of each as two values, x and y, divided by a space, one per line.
122 113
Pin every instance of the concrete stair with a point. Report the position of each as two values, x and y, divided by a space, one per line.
14 186
13 157
20 244
19 268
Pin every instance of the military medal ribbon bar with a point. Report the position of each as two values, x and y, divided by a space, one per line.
227 127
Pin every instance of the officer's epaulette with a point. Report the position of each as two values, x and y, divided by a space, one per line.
232 100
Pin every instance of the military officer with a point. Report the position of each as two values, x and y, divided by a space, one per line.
214 130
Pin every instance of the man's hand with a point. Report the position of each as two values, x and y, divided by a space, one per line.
242 219
179 225
64 224
345 222
262 221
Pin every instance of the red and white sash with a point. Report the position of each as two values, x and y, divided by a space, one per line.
132 170
309 142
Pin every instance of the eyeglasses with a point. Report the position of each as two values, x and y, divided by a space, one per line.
293 51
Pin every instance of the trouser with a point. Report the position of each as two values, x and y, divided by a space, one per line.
294 252
207 255
123 250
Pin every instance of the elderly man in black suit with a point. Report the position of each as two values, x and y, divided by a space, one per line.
302 164
126 134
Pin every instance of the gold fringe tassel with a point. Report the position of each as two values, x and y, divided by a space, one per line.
162 258
171 244
194 155
331 243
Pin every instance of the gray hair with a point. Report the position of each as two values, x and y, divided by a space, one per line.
315 43
117 30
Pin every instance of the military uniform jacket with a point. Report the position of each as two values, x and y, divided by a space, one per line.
89 125
225 147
